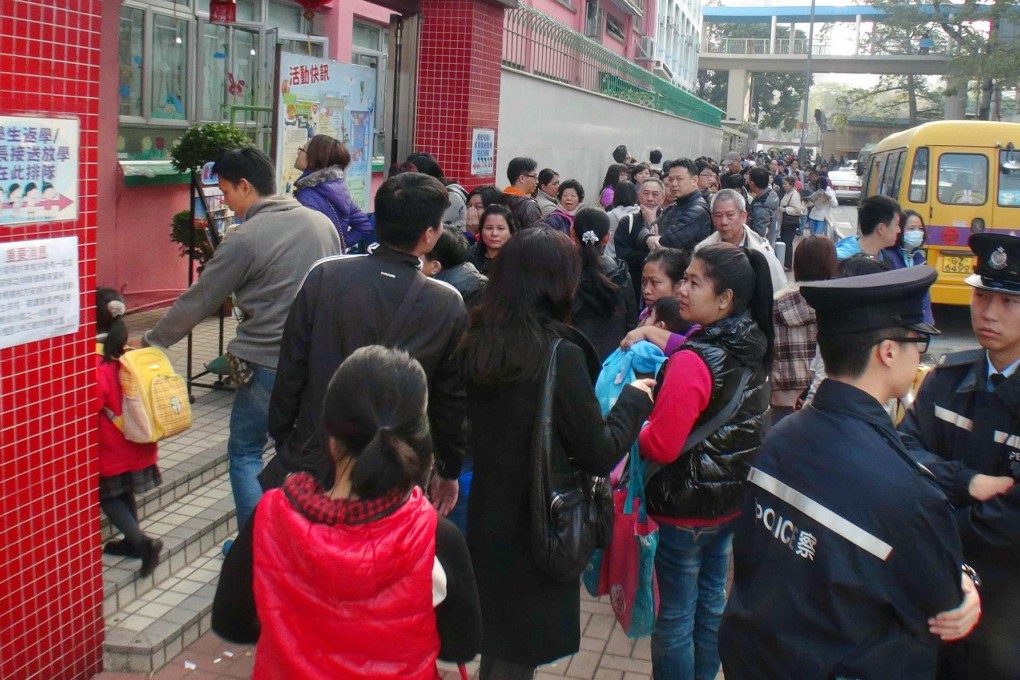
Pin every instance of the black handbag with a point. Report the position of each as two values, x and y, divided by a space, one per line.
571 510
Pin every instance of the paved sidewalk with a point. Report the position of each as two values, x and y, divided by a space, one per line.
605 653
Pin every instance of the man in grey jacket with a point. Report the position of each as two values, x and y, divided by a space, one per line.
262 262
764 204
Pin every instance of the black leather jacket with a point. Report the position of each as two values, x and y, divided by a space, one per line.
708 481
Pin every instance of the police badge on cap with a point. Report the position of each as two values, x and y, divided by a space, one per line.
998 267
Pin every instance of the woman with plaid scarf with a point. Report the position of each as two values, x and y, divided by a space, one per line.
364 579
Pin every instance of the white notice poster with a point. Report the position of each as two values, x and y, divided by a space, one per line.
38 290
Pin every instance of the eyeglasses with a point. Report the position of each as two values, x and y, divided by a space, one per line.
532 176
301 150
707 173
922 340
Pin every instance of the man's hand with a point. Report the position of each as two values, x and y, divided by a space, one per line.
985 487
653 243
443 493
649 216
957 623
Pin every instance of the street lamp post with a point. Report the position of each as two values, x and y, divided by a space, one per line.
807 85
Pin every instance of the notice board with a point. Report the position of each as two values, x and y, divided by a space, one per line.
322 97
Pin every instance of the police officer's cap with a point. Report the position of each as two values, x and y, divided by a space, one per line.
998 267
857 304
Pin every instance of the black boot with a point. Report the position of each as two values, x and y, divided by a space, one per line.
150 556
121 548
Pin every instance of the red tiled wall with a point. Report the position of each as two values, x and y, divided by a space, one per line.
50 581
458 82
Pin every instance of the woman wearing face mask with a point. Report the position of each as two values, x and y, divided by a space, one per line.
907 251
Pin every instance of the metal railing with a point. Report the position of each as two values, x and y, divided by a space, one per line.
761 46
533 43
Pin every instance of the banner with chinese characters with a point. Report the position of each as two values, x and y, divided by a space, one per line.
38 169
322 97
38 290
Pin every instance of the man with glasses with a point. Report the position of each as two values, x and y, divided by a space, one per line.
522 172
847 562
967 413
708 179
626 245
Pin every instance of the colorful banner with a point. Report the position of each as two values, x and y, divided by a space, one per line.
322 97
38 169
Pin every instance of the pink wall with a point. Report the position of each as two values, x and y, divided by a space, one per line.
51 623
573 19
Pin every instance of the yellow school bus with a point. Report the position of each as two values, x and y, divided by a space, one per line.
962 177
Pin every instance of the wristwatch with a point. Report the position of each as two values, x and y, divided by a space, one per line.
970 571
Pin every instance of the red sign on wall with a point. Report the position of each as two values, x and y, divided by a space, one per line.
222 11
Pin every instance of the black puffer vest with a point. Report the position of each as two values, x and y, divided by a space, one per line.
708 481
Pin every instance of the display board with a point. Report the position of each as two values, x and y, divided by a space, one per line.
38 169
321 97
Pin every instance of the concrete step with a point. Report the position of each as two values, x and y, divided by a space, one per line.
193 530
156 626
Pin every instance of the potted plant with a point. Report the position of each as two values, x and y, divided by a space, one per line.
192 241
203 143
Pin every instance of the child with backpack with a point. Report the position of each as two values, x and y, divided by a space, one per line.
126 468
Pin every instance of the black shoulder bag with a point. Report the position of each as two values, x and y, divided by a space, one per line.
571 512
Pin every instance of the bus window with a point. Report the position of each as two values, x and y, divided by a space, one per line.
1009 180
897 178
963 179
919 177
875 176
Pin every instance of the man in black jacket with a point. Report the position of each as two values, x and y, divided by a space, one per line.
688 221
348 302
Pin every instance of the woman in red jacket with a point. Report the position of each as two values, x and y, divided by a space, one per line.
125 467
361 580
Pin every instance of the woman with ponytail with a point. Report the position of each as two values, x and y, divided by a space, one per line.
697 493
362 580
126 468
604 309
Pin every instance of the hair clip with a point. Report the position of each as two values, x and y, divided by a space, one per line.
115 308
590 238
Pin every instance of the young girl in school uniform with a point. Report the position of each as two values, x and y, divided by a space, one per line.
126 468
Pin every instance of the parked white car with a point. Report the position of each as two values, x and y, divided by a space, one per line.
846 184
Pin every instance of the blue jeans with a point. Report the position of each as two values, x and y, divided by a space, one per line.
249 432
691 565
817 226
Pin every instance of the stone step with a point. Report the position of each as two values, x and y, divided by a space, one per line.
156 626
188 527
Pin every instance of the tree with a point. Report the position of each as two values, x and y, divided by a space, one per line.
976 32
776 98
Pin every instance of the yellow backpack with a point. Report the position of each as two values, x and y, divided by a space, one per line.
155 404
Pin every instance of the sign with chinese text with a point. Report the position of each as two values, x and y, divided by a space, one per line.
38 169
483 151
322 97
38 290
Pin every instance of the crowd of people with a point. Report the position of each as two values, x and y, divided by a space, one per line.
409 377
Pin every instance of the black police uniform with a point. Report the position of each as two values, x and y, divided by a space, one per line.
973 429
845 546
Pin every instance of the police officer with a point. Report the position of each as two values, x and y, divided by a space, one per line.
846 550
968 414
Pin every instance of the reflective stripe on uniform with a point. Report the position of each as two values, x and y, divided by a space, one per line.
1010 440
954 418
821 514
